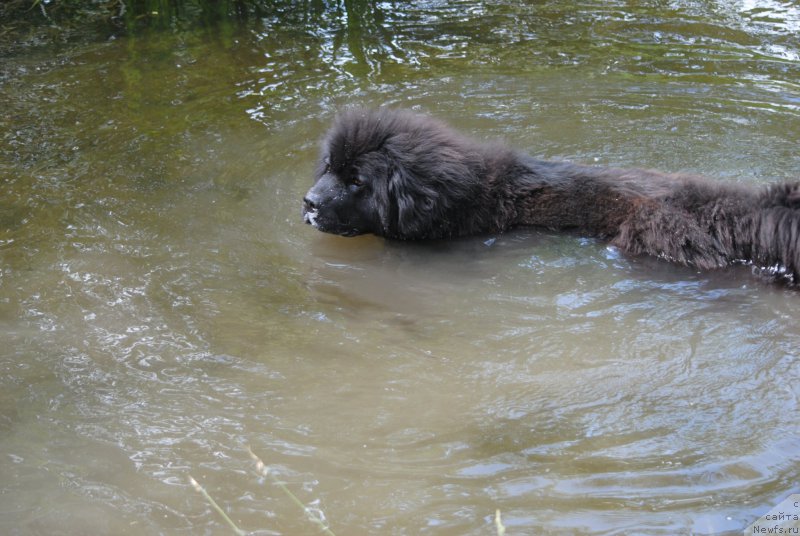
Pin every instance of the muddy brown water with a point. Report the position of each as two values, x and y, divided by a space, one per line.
163 308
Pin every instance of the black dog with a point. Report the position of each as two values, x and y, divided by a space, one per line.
404 176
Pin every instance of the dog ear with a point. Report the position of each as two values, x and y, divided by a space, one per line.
414 206
385 208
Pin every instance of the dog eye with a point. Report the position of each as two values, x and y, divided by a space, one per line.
355 181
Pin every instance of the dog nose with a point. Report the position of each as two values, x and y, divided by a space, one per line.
309 204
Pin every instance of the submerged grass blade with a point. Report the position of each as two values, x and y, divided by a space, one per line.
501 529
200 489
311 516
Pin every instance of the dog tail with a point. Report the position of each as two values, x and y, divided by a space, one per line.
773 233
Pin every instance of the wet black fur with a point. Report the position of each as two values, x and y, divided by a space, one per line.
405 176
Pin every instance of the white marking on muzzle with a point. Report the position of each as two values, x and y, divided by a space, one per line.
311 217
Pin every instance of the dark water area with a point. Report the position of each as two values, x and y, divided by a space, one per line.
164 309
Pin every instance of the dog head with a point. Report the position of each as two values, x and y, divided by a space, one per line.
392 173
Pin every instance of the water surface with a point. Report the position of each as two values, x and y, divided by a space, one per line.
163 308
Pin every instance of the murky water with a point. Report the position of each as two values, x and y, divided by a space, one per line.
163 308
